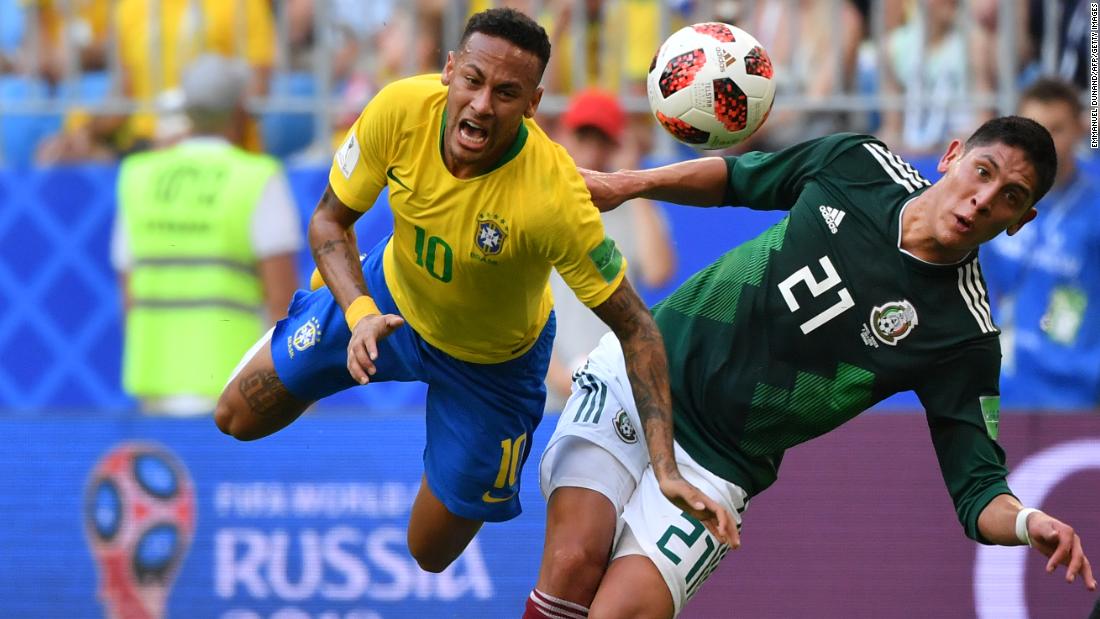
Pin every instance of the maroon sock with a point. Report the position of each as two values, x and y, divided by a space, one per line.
542 606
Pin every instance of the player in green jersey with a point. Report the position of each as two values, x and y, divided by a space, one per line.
869 287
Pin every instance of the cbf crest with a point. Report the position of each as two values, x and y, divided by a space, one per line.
304 338
893 321
492 232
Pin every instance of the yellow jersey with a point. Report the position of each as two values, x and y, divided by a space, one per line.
469 261
89 21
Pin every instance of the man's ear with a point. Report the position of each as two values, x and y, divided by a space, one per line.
953 153
534 105
448 69
1030 214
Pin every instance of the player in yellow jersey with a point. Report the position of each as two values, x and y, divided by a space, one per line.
484 206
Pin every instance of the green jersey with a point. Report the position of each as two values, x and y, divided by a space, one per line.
789 335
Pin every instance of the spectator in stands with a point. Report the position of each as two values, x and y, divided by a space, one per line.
592 131
811 63
605 44
36 37
1045 280
204 241
617 41
350 42
368 47
1070 32
1051 38
84 23
925 62
156 39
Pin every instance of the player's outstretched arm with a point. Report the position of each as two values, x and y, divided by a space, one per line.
647 367
332 241
1005 522
698 182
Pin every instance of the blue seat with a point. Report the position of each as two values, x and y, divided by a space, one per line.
12 25
285 133
21 132
90 88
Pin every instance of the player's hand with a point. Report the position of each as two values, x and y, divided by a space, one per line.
363 347
1058 541
604 189
692 500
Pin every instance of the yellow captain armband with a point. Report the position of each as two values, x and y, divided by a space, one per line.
315 279
360 308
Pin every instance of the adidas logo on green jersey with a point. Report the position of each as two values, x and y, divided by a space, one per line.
832 217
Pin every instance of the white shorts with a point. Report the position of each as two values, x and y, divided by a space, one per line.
248 354
601 411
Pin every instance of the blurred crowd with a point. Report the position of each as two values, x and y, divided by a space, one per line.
97 79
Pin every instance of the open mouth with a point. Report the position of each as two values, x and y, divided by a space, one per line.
962 224
472 135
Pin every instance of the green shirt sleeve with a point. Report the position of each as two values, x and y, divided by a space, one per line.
773 181
962 404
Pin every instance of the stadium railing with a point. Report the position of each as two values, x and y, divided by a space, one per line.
305 94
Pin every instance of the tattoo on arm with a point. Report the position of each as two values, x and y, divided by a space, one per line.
332 240
647 368
328 247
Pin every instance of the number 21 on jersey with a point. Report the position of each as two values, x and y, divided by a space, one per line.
817 288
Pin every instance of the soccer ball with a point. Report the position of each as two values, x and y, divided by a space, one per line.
710 85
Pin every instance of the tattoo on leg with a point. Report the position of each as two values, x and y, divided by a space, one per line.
265 393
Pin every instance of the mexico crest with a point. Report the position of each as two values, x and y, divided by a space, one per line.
492 231
893 321
624 428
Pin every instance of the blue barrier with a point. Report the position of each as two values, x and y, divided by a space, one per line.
307 523
310 524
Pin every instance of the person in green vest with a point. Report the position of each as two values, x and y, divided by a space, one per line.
204 243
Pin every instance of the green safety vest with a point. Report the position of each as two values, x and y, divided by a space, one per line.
197 297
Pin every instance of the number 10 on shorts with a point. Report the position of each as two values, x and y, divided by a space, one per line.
511 454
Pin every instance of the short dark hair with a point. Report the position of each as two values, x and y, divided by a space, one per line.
1053 90
514 27
1028 136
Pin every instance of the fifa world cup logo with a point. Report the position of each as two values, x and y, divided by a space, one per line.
139 516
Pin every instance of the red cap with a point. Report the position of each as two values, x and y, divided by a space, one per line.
598 109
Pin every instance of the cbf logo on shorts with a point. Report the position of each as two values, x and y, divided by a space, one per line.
139 518
304 337
624 428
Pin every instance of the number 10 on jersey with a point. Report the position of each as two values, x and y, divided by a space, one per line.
817 288
428 260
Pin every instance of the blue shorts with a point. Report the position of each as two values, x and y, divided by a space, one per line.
480 417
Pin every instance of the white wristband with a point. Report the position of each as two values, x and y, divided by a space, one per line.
1021 525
